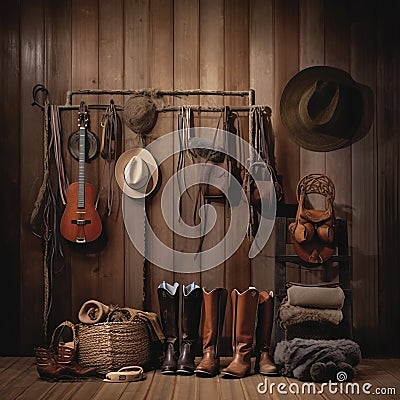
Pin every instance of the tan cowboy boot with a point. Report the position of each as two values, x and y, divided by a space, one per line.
264 364
244 306
214 304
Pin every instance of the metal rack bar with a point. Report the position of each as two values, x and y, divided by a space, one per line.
158 93
250 94
168 109
251 136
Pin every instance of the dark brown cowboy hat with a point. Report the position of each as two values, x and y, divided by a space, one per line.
324 109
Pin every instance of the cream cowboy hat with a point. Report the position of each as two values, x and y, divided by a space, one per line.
324 109
136 173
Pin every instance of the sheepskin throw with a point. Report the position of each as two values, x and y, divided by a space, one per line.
290 315
295 358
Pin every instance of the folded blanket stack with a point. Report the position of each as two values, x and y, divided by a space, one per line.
311 311
313 349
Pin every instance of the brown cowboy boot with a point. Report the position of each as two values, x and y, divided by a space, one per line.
214 304
191 311
168 299
66 359
264 364
244 306
46 365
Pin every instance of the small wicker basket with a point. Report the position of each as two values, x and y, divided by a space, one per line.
109 346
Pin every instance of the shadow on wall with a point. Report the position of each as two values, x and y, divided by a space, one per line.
365 311
344 211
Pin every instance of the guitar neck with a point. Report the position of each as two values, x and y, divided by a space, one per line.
81 167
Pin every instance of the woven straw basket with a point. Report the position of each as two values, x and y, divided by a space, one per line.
109 346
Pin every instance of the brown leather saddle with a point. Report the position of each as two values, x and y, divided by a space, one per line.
314 230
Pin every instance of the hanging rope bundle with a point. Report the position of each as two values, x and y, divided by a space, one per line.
45 216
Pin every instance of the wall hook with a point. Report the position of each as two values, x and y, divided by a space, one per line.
39 88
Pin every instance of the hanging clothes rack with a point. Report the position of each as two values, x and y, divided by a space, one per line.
250 94
157 93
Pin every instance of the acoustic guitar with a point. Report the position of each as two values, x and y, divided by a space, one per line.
80 222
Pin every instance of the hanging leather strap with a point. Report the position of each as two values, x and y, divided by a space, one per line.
264 145
199 201
110 148
46 171
185 123
180 164
55 142
111 133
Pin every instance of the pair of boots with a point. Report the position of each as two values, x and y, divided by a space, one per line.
247 307
61 365
179 357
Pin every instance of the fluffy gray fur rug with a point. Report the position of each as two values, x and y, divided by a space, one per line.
294 358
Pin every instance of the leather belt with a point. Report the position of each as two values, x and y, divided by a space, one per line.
125 374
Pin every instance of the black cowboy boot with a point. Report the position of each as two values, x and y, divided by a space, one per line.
168 298
191 309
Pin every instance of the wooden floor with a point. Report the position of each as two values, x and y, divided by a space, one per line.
19 380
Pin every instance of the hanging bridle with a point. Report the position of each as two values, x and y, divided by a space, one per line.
110 149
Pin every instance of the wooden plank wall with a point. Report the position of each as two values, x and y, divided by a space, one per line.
9 172
387 141
364 180
58 19
181 44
